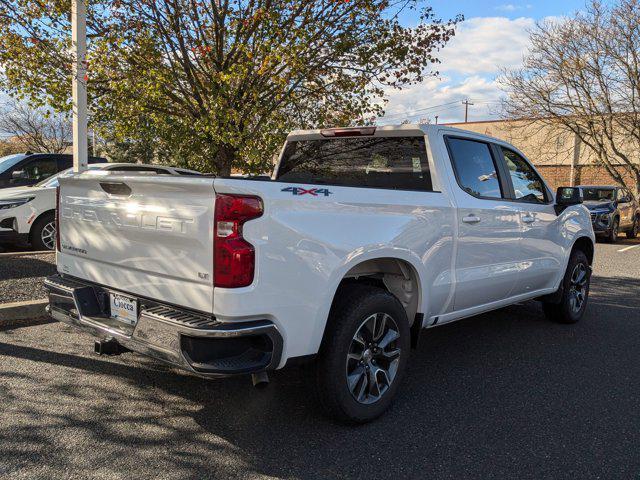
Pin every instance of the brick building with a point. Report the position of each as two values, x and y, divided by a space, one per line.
559 156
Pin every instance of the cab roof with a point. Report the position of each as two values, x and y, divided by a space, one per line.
385 131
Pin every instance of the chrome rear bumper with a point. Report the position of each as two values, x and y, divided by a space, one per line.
189 340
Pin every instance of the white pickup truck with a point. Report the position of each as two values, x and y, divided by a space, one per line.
362 237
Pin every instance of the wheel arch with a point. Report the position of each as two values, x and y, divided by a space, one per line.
396 274
35 220
585 244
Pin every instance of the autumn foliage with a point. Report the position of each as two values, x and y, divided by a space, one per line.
216 84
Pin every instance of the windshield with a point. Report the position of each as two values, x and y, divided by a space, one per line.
9 161
598 194
52 181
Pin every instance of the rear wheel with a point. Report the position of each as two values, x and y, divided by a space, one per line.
633 233
363 355
575 291
615 230
43 232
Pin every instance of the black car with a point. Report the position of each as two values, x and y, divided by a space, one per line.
24 169
613 210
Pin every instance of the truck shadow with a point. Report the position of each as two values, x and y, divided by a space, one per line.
25 267
501 394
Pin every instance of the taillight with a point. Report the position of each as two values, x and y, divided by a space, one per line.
58 219
234 257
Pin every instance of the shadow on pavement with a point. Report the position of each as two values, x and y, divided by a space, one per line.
24 267
502 394
12 247
617 292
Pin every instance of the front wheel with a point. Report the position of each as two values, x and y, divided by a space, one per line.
633 233
43 233
575 291
363 355
613 233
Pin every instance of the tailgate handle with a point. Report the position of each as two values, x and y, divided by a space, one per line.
116 188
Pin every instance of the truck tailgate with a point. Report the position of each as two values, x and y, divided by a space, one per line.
148 235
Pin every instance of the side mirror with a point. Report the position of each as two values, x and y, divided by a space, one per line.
567 196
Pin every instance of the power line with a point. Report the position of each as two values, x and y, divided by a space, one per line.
433 109
418 110
408 117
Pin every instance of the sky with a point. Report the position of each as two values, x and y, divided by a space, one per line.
493 36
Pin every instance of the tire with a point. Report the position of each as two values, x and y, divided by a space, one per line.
42 238
612 237
633 233
346 355
567 310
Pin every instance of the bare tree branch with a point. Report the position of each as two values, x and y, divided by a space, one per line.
581 75
34 128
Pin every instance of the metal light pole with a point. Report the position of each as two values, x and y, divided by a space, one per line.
79 85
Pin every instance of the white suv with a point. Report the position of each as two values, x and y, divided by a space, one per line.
27 214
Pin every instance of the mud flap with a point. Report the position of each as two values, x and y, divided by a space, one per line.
416 330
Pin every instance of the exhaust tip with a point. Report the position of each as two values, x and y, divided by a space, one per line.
260 380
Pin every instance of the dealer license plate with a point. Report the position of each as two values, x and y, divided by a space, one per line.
124 309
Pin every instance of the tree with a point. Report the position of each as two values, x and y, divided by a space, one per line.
7 147
582 74
219 82
35 129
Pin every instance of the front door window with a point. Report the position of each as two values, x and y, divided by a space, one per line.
34 171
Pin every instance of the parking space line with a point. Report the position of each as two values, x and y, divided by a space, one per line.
25 254
628 248
614 305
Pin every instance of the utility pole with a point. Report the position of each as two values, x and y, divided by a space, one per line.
79 84
436 119
466 104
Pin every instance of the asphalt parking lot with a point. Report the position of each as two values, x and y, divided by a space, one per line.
22 276
506 394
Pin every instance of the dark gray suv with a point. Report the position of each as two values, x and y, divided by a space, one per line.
613 210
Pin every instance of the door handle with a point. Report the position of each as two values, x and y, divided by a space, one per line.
528 219
471 219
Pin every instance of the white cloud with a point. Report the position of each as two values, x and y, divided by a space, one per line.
471 62
510 7
443 98
483 45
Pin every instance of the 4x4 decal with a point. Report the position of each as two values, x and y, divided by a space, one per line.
310 191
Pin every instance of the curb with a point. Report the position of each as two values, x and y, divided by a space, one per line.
11 313
25 254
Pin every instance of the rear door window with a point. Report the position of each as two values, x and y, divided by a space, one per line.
474 167
377 162
38 169
65 162
624 196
